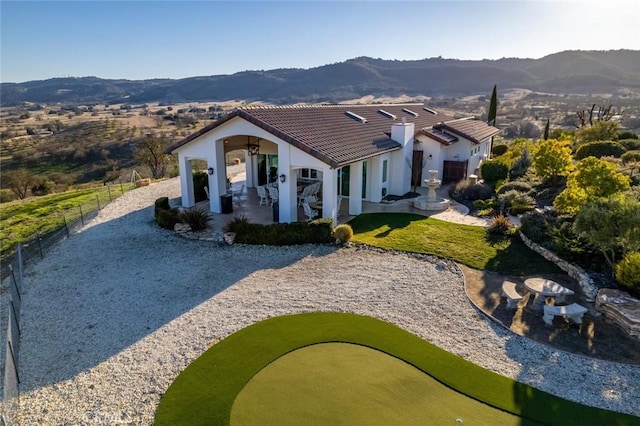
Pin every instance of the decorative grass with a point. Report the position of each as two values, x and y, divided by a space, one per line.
205 391
465 244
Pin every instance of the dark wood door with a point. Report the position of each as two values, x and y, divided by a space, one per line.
416 168
453 171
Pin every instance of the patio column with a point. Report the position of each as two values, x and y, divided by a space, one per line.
248 168
186 181
287 197
330 193
355 189
217 181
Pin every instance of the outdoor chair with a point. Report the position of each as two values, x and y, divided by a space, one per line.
273 194
308 211
238 192
262 193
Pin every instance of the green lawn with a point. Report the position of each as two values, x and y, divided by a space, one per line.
465 244
22 218
340 383
204 393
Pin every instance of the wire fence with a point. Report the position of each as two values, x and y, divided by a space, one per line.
12 267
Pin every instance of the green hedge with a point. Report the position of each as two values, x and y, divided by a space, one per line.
493 171
600 149
165 216
200 180
628 273
281 234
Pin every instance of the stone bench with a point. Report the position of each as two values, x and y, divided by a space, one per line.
509 292
573 312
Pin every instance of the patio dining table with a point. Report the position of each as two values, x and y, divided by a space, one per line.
542 287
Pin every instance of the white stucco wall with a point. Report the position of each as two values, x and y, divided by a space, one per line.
210 147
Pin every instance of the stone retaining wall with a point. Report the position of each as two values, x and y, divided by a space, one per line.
586 283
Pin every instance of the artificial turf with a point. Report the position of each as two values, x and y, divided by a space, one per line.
341 383
205 391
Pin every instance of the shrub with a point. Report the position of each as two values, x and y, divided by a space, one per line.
485 204
465 191
167 218
492 171
513 196
200 180
498 150
500 225
277 234
195 217
625 134
517 185
343 233
42 187
628 272
162 203
631 156
238 224
521 165
533 226
630 144
600 149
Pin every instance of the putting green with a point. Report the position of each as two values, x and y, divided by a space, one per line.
341 383
204 393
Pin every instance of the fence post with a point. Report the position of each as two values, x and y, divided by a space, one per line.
39 244
98 200
20 264
81 215
109 191
121 189
66 227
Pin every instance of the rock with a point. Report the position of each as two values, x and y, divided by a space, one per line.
181 228
621 308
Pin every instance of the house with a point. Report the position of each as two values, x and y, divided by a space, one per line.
362 152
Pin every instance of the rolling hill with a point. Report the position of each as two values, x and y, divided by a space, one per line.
581 72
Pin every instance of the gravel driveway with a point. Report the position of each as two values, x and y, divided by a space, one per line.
111 316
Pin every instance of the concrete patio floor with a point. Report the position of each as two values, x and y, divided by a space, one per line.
247 205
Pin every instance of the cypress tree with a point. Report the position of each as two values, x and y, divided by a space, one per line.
493 107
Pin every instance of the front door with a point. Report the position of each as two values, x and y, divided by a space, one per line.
416 168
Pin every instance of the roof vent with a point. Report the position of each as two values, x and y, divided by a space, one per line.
408 111
356 116
387 114
432 111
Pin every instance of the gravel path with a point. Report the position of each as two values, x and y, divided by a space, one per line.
111 316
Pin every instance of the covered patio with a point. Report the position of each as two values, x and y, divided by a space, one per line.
248 205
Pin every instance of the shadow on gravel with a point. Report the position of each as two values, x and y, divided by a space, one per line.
118 282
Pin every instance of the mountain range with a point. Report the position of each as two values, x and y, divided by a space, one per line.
579 72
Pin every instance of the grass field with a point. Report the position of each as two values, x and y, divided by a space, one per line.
465 244
204 393
22 218
339 383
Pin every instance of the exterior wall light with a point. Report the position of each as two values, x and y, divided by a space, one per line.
430 157
210 171
283 178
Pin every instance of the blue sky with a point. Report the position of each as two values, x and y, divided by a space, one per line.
159 39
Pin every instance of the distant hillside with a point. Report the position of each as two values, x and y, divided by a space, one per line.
566 72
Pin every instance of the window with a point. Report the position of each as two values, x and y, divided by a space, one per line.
384 171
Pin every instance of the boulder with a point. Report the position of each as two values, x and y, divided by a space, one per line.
620 308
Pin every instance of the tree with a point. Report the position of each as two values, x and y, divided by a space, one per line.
493 107
605 113
546 131
18 182
593 179
151 152
599 131
552 158
611 225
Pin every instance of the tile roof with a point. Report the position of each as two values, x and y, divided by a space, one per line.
335 134
440 136
474 130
